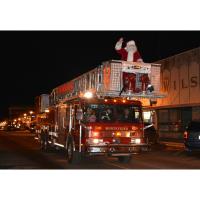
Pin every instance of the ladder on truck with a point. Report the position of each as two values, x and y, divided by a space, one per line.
106 81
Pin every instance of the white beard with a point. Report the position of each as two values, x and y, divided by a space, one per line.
131 51
130 56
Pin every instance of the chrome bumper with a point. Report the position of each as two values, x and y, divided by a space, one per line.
116 149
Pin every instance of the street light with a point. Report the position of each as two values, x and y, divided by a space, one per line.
46 111
31 112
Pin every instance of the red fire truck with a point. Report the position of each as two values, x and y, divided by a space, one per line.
99 112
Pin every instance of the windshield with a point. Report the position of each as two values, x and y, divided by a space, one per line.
112 113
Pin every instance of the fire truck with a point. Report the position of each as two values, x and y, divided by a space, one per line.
100 112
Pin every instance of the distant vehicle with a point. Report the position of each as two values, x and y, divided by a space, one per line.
192 136
150 134
10 128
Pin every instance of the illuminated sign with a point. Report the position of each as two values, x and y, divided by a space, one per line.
116 128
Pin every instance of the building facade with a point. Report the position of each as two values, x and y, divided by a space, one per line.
180 82
41 103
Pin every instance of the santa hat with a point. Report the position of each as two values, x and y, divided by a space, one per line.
131 42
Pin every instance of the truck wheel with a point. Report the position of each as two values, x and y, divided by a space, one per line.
42 145
73 157
124 159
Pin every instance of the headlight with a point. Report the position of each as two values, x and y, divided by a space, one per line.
94 141
136 140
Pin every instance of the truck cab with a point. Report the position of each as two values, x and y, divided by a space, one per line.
107 127
113 127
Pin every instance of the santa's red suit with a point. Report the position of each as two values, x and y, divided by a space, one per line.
129 53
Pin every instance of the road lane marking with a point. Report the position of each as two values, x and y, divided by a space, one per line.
115 165
173 144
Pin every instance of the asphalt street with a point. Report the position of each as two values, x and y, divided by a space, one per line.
19 150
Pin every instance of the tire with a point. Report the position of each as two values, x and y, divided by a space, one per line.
43 146
73 157
44 141
124 159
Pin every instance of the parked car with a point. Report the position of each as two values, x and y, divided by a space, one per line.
192 136
150 134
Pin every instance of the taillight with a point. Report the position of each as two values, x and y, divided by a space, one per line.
185 135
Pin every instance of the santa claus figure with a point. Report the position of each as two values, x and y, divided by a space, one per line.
130 52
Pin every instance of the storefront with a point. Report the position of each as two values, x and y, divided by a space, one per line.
180 82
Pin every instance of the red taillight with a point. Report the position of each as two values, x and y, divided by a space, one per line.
185 135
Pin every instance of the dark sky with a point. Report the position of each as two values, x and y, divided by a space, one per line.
35 62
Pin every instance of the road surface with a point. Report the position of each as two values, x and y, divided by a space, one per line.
19 150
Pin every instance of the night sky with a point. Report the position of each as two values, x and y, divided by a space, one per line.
35 62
